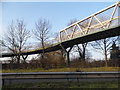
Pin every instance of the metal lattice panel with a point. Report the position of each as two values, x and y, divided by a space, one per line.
103 19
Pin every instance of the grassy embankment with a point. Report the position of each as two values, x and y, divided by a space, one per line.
97 69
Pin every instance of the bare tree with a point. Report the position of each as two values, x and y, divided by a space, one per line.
41 33
104 46
82 50
16 38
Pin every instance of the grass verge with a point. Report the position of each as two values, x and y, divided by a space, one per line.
95 69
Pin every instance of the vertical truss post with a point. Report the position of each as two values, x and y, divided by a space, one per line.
67 55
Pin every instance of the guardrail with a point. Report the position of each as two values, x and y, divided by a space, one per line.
17 78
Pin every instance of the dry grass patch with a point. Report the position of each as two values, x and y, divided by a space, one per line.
96 69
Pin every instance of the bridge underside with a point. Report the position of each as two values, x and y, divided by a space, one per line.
115 31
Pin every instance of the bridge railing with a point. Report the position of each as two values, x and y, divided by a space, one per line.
103 19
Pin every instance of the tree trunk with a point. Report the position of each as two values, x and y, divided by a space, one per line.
42 55
83 56
106 64
105 53
82 52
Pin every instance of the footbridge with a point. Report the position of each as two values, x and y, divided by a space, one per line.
100 25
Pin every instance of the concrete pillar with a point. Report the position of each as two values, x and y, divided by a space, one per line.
67 55
24 57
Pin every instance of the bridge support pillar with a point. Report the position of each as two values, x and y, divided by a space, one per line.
67 55
67 59
24 57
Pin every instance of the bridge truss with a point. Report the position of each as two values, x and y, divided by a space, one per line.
103 19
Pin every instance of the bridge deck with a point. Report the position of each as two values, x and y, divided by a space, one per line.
105 33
